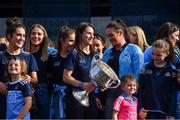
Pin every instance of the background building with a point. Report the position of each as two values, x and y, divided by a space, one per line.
149 14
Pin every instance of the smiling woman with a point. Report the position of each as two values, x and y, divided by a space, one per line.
15 34
76 73
66 40
37 44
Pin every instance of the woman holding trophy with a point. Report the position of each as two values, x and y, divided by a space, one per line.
124 58
76 75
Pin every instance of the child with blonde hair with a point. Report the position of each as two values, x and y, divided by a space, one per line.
19 97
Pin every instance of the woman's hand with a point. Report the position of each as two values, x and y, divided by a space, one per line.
89 87
3 88
27 78
98 104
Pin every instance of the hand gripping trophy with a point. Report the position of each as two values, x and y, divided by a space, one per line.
101 75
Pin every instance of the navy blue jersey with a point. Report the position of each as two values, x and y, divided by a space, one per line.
17 91
80 65
5 57
42 65
3 47
157 89
114 60
56 66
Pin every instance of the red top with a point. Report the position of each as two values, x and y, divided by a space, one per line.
126 107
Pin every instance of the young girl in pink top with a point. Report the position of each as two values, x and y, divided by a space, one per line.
125 106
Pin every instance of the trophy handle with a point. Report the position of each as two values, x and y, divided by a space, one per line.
116 83
97 56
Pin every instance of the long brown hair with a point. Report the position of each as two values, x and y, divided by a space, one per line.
165 30
78 37
44 44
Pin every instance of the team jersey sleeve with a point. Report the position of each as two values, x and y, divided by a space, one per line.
70 62
27 90
117 103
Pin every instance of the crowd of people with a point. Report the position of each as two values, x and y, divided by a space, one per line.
38 79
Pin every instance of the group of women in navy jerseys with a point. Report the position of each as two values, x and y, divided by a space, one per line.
37 80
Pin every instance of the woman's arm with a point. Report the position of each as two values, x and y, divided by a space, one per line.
26 108
67 78
98 103
34 79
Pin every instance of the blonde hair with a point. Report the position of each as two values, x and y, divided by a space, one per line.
141 38
23 65
163 45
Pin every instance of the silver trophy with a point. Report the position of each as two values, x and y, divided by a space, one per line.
101 75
